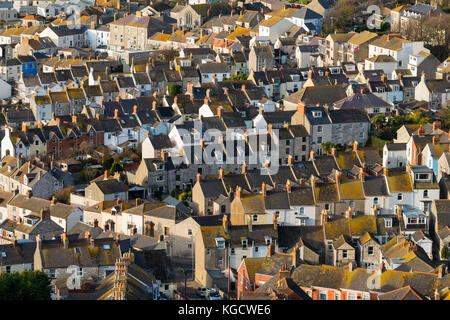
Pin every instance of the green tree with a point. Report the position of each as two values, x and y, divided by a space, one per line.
378 121
116 167
107 163
327 146
236 77
173 89
157 194
63 195
27 285
444 117
418 117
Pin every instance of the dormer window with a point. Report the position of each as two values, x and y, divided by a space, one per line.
113 211
220 243
422 176
388 222
244 243
317 114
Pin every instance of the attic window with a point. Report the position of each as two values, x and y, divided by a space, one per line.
388 222
3 254
220 242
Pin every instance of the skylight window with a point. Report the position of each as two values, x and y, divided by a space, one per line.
3 254
107 247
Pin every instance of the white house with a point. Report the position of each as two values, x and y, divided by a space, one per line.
398 48
210 72
274 27
65 37
425 242
7 146
394 155
434 91
5 89
97 37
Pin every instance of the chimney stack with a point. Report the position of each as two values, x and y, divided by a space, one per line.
219 112
271 249
338 176
421 131
350 266
362 174
225 223
284 272
249 223
199 177
65 240
301 108
333 152
221 173
24 127
289 160
324 216
440 271
244 168
275 222
135 109
311 155
436 140
288 186
116 113
238 192
154 105
295 256
264 189
355 146
105 175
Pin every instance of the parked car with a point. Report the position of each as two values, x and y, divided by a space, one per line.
213 295
202 291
